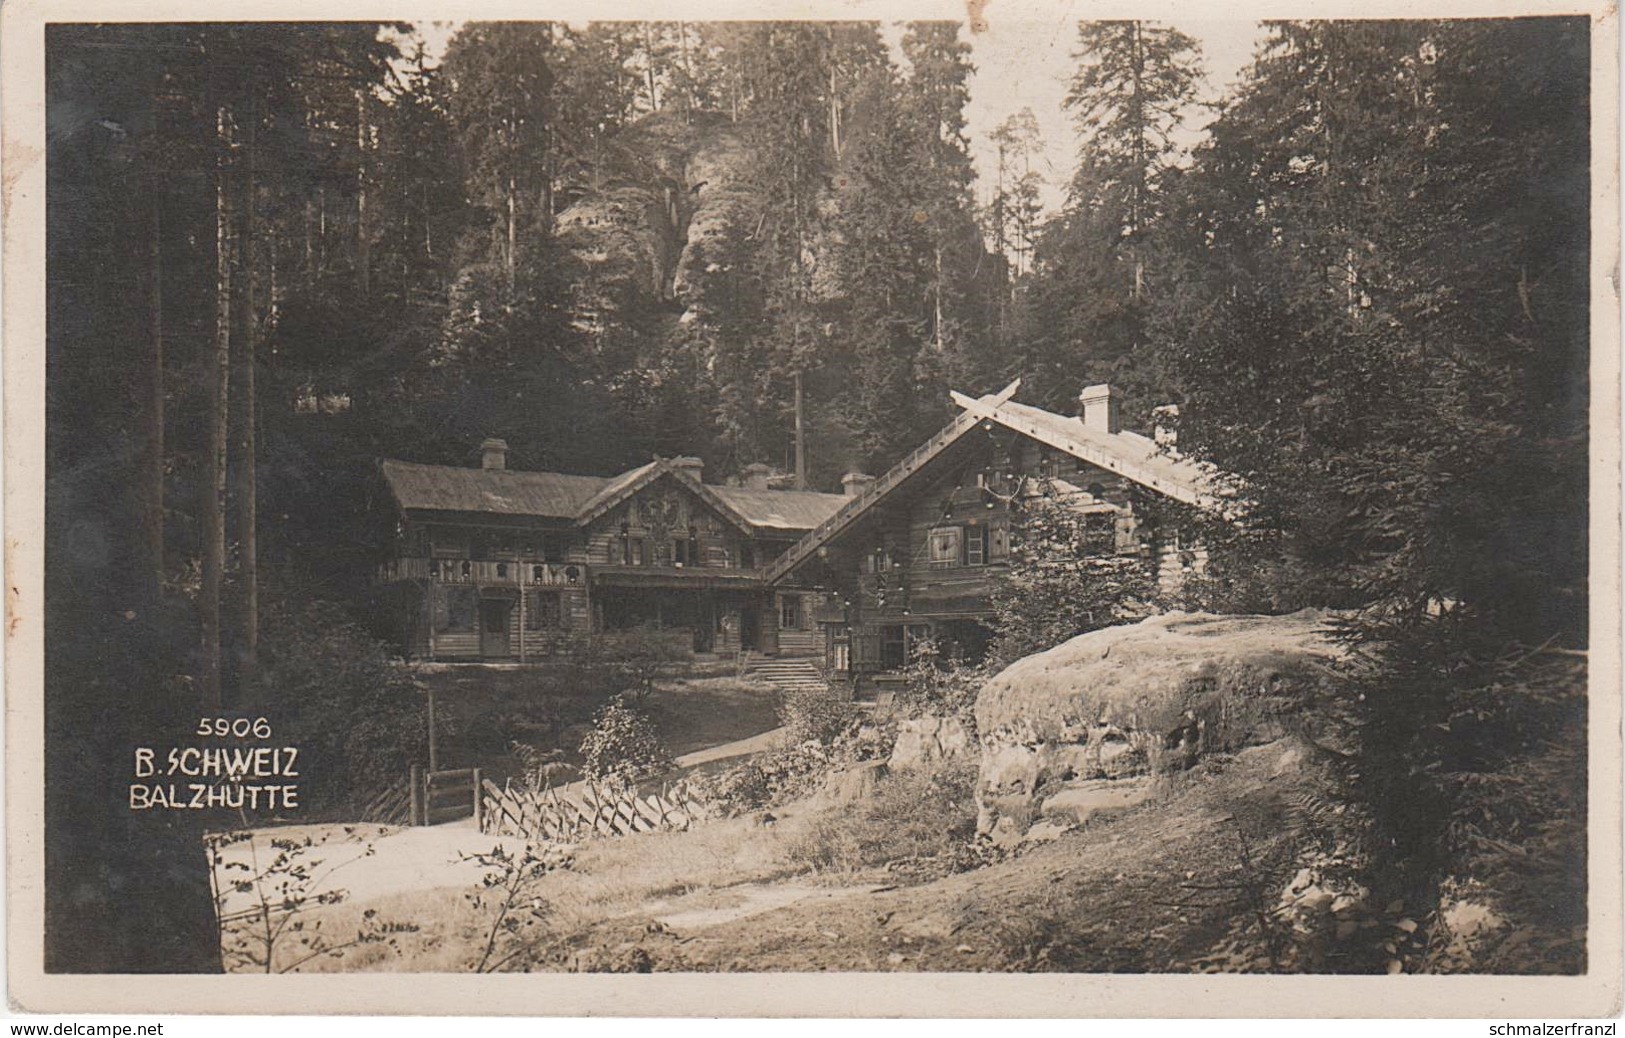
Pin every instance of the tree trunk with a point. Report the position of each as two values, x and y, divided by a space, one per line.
1141 155
937 294
218 378
834 104
513 239
801 438
649 65
363 244
248 610
152 482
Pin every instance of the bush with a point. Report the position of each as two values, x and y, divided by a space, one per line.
630 662
793 771
623 743
816 715
939 687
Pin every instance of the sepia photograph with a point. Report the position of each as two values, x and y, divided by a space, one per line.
1033 493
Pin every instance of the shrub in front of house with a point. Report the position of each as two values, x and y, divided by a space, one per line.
816 715
939 686
623 743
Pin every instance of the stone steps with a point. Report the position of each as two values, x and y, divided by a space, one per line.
787 675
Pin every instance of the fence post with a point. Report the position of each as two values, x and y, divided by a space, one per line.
418 809
479 803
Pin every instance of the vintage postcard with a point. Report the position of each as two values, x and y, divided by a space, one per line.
883 509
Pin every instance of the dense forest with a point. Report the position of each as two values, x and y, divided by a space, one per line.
280 252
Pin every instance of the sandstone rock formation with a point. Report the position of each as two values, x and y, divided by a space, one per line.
1084 727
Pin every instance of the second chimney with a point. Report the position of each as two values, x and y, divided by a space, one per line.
1101 405
755 475
854 482
494 454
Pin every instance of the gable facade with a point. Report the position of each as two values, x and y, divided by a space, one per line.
919 554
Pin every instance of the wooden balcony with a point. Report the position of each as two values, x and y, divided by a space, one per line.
484 572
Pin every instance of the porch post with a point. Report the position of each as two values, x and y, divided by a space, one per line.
519 579
429 591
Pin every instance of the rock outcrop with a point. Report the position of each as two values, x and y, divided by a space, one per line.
925 740
1084 727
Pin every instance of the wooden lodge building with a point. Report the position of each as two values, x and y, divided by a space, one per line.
496 564
492 563
914 554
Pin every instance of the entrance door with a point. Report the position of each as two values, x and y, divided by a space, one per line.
750 626
892 651
494 626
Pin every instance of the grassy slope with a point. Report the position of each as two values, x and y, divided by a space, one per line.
1118 896
1114 897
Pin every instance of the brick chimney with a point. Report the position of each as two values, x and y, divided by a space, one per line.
1101 405
691 465
853 483
494 454
755 475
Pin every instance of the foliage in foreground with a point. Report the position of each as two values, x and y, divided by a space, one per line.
270 913
1065 579
518 915
343 698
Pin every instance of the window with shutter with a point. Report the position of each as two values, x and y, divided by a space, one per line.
946 547
998 542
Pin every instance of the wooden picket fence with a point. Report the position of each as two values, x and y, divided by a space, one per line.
587 810
392 805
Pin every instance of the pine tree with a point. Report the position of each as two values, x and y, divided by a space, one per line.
1134 84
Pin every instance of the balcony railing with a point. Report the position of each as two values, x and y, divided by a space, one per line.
485 572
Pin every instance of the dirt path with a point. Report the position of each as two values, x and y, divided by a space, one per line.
738 902
365 862
728 751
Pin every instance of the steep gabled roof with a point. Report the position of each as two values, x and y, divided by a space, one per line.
1130 455
856 507
629 483
448 488
617 489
